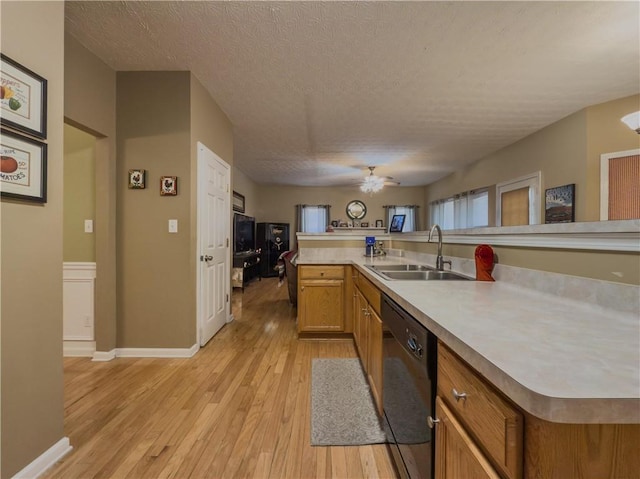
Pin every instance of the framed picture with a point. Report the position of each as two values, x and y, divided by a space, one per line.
23 98
559 204
335 223
238 202
137 179
379 224
168 185
364 224
397 223
23 168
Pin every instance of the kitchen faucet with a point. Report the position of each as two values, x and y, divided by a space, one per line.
439 260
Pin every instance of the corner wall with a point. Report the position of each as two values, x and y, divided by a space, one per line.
155 306
90 105
31 396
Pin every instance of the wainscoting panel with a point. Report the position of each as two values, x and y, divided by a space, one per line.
78 301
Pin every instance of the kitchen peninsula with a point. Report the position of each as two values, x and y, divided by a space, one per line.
570 363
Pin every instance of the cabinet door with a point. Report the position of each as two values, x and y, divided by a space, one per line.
359 304
321 305
375 358
457 456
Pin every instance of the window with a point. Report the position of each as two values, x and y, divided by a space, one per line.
410 221
620 185
465 210
313 218
518 201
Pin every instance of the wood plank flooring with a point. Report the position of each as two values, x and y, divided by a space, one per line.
240 408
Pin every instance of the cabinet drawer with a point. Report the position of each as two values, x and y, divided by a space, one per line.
321 272
370 292
495 423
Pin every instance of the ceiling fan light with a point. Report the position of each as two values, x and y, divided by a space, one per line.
372 184
632 120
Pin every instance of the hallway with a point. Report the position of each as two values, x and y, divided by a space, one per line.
238 408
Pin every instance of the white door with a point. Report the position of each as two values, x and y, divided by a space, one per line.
214 218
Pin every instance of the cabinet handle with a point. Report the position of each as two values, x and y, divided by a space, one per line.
432 422
321 273
457 396
301 288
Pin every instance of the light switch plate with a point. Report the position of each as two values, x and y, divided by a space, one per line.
88 226
173 226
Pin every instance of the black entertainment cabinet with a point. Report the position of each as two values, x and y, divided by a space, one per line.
246 266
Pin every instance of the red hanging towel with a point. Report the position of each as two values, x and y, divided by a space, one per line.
484 263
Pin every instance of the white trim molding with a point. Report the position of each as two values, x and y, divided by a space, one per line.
157 352
621 235
45 460
99 356
146 353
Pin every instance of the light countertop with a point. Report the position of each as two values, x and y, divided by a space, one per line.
559 359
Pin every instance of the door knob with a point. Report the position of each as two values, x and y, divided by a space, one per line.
206 258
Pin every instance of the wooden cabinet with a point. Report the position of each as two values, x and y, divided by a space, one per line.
321 299
367 332
481 434
374 357
496 424
457 455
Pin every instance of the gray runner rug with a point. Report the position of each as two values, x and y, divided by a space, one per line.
342 410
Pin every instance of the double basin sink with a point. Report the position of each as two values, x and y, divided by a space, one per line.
415 272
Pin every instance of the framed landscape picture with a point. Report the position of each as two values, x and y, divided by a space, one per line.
559 204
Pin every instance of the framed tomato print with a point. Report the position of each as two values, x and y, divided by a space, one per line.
23 168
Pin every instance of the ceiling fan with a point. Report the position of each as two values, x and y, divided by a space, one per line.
373 183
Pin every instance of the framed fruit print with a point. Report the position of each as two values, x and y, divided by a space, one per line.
23 98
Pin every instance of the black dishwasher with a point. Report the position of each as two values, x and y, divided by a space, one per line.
408 397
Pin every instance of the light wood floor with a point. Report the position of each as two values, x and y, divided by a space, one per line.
238 408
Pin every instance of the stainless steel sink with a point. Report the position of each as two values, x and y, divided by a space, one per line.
424 275
416 273
400 267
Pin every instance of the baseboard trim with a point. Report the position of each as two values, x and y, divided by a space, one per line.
104 355
157 352
45 460
78 349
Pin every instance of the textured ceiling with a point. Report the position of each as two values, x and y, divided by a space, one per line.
317 91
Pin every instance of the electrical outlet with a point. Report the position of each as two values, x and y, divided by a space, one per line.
88 226
173 226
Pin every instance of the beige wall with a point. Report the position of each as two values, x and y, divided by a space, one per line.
90 104
31 264
79 194
154 282
606 134
278 203
248 188
567 151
